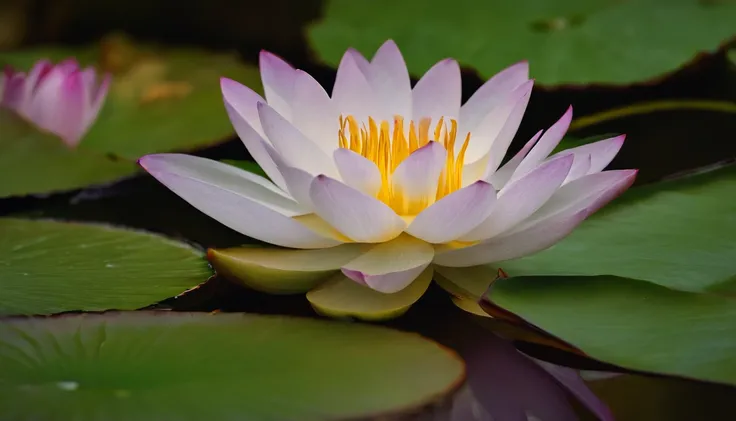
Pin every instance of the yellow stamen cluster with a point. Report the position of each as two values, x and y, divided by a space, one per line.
388 147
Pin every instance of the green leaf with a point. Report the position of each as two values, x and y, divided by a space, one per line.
630 323
565 41
679 234
50 267
145 366
161 99
35 162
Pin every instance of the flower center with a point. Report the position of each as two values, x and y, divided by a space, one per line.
388 147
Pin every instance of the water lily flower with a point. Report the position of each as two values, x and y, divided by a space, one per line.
62 99
378 186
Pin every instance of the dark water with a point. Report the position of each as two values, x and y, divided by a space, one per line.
660 144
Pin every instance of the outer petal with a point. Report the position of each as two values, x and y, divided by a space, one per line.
358 216
314 114
281 271
38 72
417 176
357 171
297 181
255 144
223 176
492 93
601 153
545 146
503 174
580 167
352 94
501 144
392 266
97 98
490 141
438 92
235 198
389 78
522 198
278 82
295 148
588 193
341 297
14 85
470 283
455 214
59 105
520 242
243 102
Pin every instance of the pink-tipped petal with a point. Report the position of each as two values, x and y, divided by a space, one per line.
296 149
278 82
587 193
438 92
390 267
352 94
256 145
297 181
503 174
59 106
235 198
523 241
389 78
357 171
490 141
243 101
314 113
417 176
580 167
545 145
601 153
68 66
363 64
492 94
521 198
38 72
14 86
358 216
96 99
455 214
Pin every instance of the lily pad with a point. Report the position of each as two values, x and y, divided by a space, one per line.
678 234
565 41
50 267
33 162
145 366
161 99
633 324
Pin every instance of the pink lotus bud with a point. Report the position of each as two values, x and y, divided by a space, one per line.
61 99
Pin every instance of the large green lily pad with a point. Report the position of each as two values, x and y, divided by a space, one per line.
634 324
679 234
161 99
35 162
565 41
142 366
50 267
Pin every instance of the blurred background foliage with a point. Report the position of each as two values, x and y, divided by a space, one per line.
663 140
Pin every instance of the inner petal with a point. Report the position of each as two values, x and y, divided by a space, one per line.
388 144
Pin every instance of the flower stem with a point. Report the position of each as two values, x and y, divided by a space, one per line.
649 107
